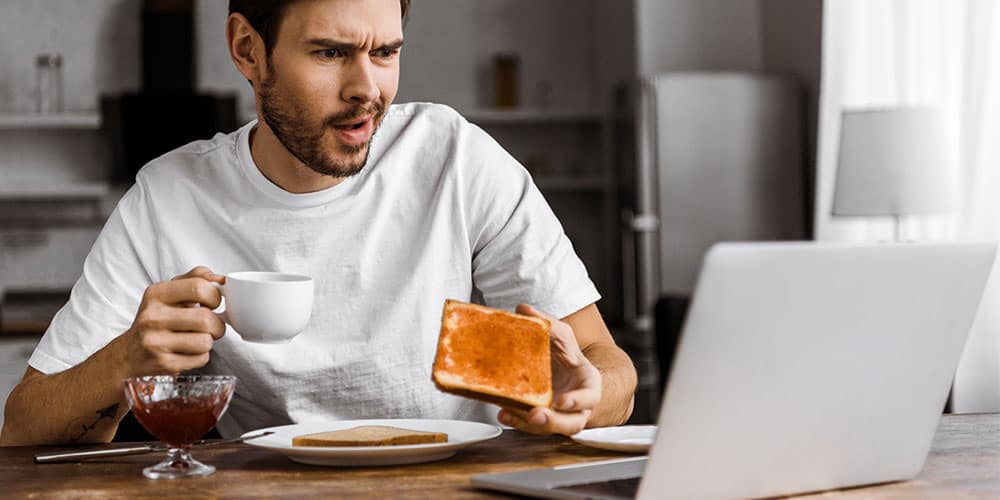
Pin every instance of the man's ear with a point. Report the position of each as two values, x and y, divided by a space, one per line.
246 48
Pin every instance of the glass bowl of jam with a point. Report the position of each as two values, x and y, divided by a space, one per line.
177 410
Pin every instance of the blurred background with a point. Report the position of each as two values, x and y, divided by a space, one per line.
653 127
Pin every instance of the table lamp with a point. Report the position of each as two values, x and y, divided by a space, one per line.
893 162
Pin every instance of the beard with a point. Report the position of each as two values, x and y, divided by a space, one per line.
305 140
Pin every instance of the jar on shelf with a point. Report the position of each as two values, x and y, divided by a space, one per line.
48 68
505 69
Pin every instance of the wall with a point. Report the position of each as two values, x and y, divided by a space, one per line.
99 43
447 59
617 52
450 44
214 70
98 40
698 34
781 36
449 49
793 44
775 36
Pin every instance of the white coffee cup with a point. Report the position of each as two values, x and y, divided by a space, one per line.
267 307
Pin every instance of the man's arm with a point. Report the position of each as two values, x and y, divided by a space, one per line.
85 403
79 405
593 381
618 375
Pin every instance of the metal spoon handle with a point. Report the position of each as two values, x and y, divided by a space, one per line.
203 443
72 456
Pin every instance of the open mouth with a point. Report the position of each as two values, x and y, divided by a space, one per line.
352 125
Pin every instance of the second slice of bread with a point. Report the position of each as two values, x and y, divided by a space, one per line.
494 356
369 435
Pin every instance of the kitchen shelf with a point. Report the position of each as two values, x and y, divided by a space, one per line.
82 121
36 207
531 116
77 191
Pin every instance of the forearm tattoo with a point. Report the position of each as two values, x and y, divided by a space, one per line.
109 412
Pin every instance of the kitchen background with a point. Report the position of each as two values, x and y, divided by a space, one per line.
572 124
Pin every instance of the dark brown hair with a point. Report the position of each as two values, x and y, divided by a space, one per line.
265 16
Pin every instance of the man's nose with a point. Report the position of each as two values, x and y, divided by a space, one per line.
359 83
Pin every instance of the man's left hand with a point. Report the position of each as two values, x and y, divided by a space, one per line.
576 386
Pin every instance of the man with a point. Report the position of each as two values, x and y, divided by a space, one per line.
388 224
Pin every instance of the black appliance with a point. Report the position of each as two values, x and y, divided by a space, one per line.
166 112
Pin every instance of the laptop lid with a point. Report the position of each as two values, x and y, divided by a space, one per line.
809 366
801 367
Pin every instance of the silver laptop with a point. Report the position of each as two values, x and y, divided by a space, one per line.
801 367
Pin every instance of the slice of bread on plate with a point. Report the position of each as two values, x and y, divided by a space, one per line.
369 435
494 356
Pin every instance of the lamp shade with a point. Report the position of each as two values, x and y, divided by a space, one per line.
893 162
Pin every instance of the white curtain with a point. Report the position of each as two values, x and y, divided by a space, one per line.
927 53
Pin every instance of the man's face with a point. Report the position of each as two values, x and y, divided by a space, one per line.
331 75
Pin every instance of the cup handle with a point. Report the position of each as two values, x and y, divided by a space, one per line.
221 314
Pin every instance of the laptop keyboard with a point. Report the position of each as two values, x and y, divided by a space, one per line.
618 488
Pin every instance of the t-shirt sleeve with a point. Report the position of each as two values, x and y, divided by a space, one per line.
104 300
520 252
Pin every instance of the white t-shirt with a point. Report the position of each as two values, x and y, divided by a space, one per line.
440 211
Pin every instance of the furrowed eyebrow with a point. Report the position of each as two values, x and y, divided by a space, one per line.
391 45
329 43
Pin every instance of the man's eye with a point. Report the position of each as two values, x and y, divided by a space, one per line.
330 53
385 53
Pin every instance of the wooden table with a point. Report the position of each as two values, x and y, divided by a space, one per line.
964 463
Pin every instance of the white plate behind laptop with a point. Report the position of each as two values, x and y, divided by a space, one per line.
625 438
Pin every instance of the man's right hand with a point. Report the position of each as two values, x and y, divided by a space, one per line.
171 334
84 403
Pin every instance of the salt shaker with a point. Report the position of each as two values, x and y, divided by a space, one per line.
49 70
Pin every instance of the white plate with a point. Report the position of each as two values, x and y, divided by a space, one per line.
460 435
628 438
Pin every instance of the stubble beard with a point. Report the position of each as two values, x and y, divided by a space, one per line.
305 141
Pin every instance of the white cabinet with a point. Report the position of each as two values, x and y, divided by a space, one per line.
14 354
46 235
43 258
46 232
